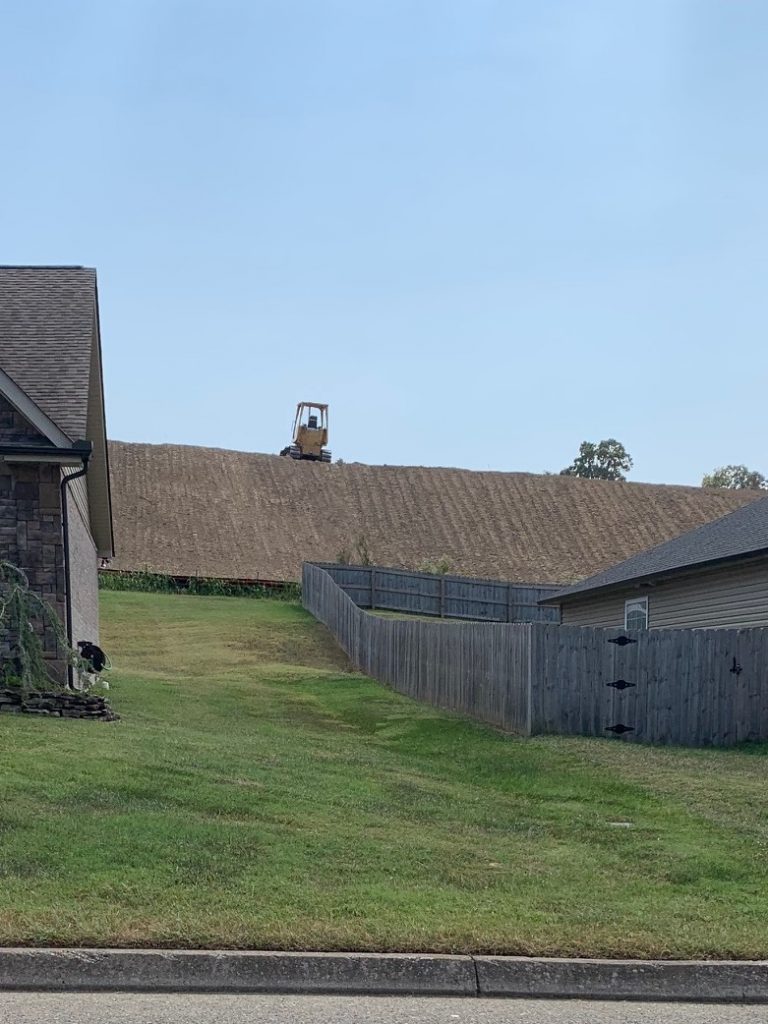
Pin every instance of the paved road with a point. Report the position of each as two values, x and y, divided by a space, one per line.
126 1008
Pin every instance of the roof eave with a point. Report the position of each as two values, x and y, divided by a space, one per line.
21 454
653 577
99 488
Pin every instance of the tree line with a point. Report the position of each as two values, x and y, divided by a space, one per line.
610 460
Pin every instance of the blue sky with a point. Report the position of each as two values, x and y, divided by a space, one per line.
482 231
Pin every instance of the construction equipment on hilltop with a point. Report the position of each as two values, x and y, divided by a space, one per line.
310 433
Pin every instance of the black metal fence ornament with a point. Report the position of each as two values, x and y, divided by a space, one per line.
622 641
620 729
620 684
735 667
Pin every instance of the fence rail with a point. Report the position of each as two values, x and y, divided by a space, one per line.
695 687
444 597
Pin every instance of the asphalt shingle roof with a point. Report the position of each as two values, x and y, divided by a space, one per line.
47 317
185 510
738 534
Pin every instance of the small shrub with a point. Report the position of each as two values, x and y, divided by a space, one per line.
359 555
24 615
147 582
437 566
363 551
289 592
9 679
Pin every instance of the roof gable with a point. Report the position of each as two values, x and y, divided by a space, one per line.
22 422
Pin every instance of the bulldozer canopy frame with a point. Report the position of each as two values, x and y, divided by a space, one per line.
303 412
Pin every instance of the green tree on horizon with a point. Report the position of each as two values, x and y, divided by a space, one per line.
606 460
735 478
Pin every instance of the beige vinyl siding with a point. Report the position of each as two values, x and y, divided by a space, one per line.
605 610
83 566
733 596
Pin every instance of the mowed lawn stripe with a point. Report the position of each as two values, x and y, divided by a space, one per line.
258 793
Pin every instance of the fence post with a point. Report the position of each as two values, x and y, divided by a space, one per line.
509 602
442 597
373 589
531 683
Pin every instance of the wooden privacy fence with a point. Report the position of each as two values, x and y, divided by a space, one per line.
695 687
445 597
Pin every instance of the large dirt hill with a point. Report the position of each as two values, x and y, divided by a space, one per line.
204 511
185 511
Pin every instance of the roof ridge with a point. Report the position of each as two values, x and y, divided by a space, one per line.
44 266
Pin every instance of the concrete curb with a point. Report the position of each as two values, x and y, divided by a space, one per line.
139 970
149 970
647 980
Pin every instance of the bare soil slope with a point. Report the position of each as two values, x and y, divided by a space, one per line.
186 510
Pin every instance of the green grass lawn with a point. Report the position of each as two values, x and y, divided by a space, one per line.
258 794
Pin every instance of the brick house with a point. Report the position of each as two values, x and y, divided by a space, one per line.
55 507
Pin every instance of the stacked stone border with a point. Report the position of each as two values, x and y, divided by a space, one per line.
56 704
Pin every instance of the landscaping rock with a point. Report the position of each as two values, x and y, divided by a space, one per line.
56 705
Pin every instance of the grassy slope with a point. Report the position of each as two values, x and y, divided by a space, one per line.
257 794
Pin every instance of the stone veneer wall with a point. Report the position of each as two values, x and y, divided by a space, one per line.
30 525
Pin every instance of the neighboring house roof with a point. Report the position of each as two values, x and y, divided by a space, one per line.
50 368
739 534
186 510
47 317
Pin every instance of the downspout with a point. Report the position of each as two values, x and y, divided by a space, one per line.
65 482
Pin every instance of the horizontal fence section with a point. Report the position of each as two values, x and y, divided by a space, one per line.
449 597
697 687
693 687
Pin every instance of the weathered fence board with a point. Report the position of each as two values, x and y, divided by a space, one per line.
445 597
695 687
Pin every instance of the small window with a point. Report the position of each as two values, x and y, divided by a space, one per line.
636 613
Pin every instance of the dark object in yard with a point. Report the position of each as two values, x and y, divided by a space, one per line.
94 655
735 667
620 729
620 684
622 641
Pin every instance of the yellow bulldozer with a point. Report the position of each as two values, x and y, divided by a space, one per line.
310 433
